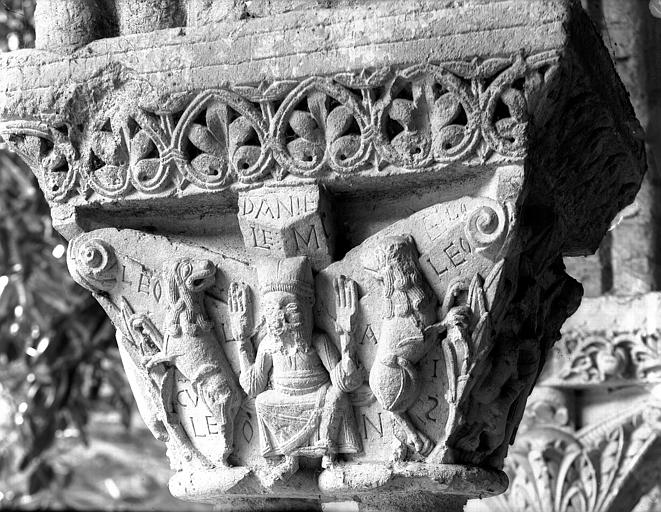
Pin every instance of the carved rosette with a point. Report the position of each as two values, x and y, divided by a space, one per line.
338 282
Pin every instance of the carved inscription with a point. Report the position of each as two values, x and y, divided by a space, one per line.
286 222
452 256
466 239
194 416
372 426
247 430
444 215
368 336
278 205
136 278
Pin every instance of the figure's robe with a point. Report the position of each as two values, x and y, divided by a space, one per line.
306 407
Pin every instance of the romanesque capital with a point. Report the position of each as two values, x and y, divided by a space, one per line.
330 238
592 426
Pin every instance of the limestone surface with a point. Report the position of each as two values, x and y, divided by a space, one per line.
331 237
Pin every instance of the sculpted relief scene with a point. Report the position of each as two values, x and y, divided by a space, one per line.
255 364
333 256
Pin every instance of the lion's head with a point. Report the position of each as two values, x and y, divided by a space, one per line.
185 279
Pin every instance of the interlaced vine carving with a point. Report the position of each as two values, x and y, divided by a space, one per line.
408 120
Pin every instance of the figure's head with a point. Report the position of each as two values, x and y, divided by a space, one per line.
186 279
287 318
287 291
393 262
195 275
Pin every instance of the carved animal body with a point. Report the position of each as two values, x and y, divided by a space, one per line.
409 308
192 347
394 375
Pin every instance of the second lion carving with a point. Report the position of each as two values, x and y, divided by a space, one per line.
408 330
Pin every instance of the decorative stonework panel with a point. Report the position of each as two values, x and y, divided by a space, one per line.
344 269
605 358
554 468
342 380
404 270
592 450
420 118
611 342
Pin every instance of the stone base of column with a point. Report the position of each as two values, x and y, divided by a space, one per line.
270 505
412 502
410 487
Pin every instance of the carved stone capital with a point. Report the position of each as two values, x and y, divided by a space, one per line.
597 450
331 240
610 342
589 470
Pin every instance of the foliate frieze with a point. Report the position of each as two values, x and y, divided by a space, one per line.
606 358
611 342
415 119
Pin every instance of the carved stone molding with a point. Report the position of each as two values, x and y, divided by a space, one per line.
410 120
610 342
608 352
333 253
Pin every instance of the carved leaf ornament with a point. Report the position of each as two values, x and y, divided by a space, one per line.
555 470
421 117
601 358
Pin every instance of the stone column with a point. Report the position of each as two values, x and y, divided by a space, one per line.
331 237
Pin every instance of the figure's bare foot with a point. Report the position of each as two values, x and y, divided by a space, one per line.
280 472
330 456
185 458
327 462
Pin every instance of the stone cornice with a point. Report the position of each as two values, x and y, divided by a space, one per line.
291 46
351 127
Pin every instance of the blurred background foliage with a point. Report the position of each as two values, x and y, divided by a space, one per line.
68 434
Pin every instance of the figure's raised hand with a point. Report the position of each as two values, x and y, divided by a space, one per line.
346 293
238 298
